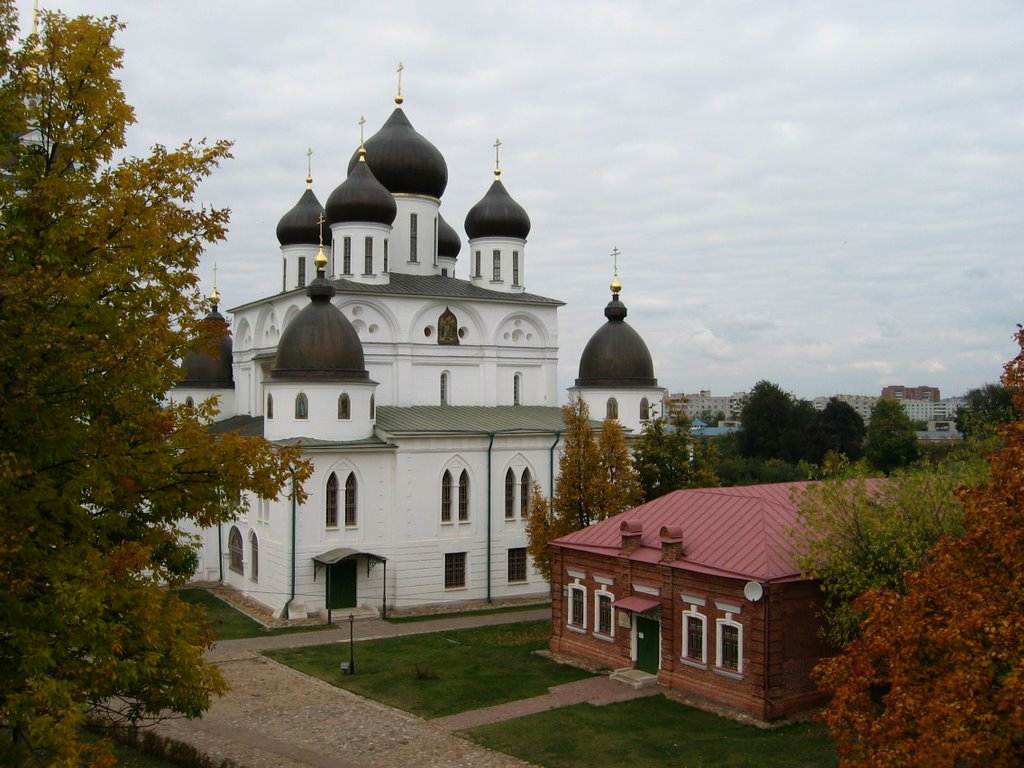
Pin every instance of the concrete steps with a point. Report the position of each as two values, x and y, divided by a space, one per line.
634 678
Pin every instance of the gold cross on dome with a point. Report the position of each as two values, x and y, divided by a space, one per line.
362 122
398 98
309 167
615 258
320 221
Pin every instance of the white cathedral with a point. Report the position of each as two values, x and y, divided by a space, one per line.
427 403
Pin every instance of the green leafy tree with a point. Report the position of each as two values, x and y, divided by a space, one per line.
667 459
891 441
859 533
98 299
839 428
596 480
935 679
766 419
986 409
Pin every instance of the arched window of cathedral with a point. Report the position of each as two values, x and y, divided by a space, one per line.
447 328
373 408
344 406
350 499
510 494
302 271
444 388
301 406
235 549
385 256
270 406
254 557
517 383
464 496
525 489
284 275
346 255
446 497
331 504
612 412
368 256
189 402
496 266
476 264
645 410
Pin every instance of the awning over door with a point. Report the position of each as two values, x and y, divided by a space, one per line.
636 604
344 553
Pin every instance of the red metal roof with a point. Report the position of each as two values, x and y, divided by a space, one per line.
740 532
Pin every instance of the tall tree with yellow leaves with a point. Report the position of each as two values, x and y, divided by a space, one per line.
98 300
596 479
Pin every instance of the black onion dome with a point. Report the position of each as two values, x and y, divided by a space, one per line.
616 356
301 225
212 368
403 161
361 197
497 215
320 343
448 242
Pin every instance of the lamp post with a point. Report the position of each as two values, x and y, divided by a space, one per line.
351 645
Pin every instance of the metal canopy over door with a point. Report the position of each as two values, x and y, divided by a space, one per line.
341 584
648 644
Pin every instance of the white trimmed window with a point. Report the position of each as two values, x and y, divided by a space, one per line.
577 606
695 636
254 561
729 651
235 550
604 614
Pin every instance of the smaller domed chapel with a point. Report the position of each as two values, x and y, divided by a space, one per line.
420 379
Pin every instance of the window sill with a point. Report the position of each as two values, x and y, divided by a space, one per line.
447 522
454 589
606 638
692 663
369 274
577 630
330 527
497 282
518 581
727 673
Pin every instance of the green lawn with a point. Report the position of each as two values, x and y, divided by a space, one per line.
654 732
443 673
231 624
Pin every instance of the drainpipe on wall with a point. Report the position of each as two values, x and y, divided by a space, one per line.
551 467
291 595
490 445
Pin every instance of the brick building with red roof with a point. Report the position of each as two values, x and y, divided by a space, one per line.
698 587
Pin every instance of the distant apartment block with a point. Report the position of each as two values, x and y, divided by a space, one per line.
899 392
703 401
862 404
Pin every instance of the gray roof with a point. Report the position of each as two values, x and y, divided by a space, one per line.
249 426
469 419
433 286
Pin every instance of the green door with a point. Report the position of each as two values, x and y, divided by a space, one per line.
648 644
341 584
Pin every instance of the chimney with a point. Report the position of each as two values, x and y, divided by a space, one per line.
631 530
671 543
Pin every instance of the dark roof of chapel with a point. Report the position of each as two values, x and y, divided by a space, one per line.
435 286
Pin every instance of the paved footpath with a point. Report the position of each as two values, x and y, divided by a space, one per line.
275 717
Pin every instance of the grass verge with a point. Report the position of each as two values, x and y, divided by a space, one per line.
654 732
230 623
442 673
458 614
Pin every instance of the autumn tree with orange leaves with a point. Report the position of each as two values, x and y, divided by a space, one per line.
937 677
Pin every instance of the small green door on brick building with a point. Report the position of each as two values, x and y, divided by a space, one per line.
648 644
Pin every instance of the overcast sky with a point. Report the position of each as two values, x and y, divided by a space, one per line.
826 195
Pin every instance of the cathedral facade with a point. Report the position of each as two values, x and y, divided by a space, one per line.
426 402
